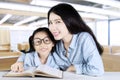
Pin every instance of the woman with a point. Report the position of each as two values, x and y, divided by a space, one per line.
41 50
77 48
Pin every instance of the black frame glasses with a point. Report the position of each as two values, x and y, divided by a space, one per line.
38 41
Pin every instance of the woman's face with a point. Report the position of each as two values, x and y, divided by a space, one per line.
42 43
57 27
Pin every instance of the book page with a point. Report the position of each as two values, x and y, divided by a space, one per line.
48 71
27 72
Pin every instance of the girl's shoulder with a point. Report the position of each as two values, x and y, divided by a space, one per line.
30 54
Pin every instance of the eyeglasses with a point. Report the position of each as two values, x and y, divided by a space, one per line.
38 41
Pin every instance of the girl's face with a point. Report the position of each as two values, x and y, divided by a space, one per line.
57 27
42 43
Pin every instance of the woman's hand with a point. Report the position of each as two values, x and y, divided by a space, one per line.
17 67
71 68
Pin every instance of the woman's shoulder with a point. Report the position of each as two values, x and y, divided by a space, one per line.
83 34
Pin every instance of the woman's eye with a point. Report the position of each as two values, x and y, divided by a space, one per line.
58 21
54 22
50 23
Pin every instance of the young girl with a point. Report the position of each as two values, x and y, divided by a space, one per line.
41 50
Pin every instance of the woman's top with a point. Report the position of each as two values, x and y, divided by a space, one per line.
32 60
82 54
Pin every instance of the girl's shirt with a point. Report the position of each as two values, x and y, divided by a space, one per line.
32 60
82 54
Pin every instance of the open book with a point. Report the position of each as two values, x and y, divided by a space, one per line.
42 70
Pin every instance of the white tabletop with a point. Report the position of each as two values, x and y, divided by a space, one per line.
67 76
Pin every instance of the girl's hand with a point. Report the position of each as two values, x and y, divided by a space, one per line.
17 67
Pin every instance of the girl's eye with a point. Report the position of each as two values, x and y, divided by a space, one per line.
47 40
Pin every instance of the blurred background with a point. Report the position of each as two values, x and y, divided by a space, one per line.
19 18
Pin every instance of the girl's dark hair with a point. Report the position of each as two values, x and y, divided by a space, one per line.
43 29
73 21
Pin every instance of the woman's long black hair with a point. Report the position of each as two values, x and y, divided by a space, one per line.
42 29
73 21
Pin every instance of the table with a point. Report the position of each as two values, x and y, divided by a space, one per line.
67 76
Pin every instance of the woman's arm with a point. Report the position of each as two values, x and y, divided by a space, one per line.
93 61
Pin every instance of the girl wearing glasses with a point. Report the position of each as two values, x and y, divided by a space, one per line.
41 50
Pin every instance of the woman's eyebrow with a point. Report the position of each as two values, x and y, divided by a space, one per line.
55 20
